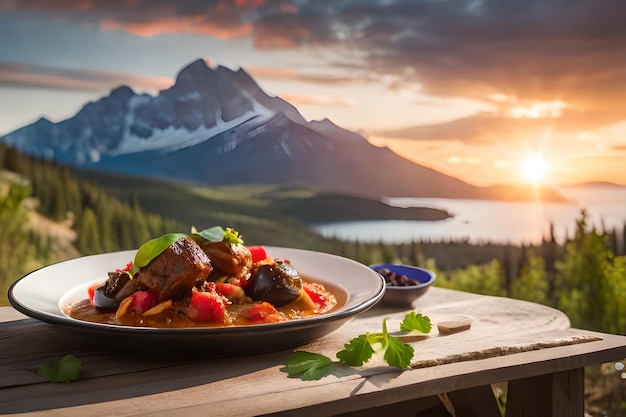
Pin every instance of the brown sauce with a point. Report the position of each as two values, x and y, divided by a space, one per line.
174 317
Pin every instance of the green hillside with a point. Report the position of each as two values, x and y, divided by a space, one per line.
271 215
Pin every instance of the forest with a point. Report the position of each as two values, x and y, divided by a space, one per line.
48 214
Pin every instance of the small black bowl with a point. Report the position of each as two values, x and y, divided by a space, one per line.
405 295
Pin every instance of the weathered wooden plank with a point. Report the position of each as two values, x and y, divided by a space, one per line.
429 406
474 402
188 391
553 395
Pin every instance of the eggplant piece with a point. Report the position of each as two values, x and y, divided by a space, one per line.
102 302
278 284
109 295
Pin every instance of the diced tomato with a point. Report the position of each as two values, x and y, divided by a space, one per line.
318 294
262 313
145 300
206 306
258 253
230 291
137 303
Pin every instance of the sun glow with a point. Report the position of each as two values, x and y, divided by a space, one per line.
537 110
534 169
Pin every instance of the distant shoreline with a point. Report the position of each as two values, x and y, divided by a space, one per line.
332 208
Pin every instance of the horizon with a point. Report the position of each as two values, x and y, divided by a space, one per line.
487 92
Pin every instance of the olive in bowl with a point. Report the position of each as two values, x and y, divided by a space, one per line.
404 283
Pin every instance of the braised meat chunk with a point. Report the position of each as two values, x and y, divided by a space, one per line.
176 270
228 258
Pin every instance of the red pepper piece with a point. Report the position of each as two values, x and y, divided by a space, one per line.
318 294
258 253
262 313
230 291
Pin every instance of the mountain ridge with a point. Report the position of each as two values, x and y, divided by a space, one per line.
216 126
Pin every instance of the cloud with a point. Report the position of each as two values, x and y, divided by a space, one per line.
223 19
485 128
14 74
317 100
529 51
195 25
534 50
464 160
38 76
286 74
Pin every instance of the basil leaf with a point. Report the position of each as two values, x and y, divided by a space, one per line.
212 234
153 248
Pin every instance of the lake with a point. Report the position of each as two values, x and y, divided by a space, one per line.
492 221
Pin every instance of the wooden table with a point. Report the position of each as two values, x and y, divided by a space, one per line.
529 345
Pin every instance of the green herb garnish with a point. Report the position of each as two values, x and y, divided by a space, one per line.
232 236
309 366
218 234
415 321
65 369
358 351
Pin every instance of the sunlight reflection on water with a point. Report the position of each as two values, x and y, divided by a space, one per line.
491 221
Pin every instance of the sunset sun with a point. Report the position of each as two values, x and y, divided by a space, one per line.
534 169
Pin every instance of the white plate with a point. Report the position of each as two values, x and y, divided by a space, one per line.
43 293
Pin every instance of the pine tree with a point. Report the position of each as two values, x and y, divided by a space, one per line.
585 279
89 233
531 285
16 252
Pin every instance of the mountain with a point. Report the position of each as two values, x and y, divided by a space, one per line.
596 184
218 127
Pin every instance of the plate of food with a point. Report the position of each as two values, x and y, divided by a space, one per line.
200 292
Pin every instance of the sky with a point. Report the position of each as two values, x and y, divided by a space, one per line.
488 91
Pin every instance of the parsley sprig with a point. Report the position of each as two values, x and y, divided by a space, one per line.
310 366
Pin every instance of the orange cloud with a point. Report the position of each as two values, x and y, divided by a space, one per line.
223 19
37 76
271 42
249 4
195 25
317 100
593 168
